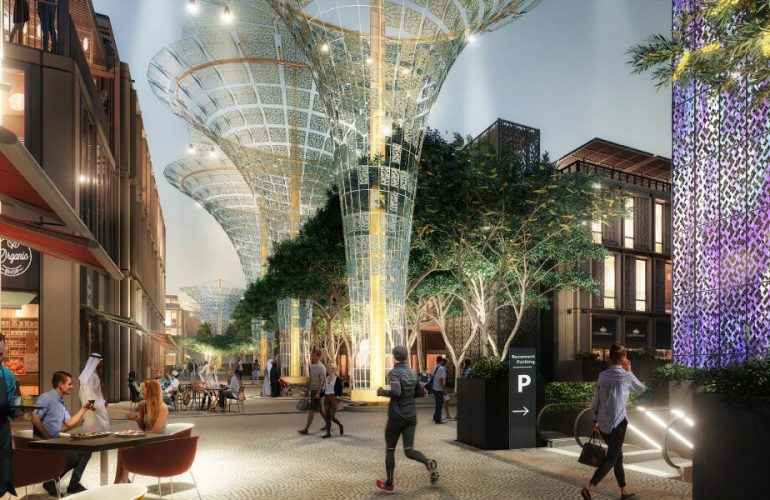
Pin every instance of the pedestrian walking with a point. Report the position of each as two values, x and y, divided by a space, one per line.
402 419
332 392
314 386
609 411
446 393
466 368
439 388
239 368
266 387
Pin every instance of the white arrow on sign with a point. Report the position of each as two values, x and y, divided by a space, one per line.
523 412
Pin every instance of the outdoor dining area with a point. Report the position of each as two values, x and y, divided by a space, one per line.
37 461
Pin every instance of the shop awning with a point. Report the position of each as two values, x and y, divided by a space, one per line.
164 340
114 318
25 186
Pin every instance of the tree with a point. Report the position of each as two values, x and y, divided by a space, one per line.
216 345
510 234
736 48
310 266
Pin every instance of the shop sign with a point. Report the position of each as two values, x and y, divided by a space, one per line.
15 259
636 333
603 332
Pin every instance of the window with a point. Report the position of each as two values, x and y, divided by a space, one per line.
13 102
628 224
640 282
609 282
659 211
667 287
596 230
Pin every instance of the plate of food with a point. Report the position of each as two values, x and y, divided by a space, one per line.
130 433
88 435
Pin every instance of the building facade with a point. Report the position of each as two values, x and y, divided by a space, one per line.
80 198
635 301
179 323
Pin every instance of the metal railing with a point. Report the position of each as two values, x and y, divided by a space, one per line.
24 23
580 166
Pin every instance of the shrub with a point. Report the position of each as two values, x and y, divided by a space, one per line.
671 372
489 368
586 355
646 354
569 392
739 381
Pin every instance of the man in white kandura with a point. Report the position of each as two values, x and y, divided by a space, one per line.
266 392
91 392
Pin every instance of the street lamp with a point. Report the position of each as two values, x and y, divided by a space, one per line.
227 16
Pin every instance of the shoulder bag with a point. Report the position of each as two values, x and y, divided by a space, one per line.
593 452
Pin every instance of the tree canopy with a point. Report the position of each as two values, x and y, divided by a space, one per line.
736 48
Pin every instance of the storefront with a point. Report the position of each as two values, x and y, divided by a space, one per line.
20 313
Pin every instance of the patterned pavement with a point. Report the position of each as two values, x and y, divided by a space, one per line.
260 455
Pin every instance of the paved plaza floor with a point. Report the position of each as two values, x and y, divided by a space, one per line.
260 455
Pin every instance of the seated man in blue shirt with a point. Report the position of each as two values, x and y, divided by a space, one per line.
54 418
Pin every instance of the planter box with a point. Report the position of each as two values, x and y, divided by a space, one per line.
482 413
728 459
579 370
676 395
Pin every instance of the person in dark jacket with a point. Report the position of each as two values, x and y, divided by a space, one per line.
332 392
274 376
402 419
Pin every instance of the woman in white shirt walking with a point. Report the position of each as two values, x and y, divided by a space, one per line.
332 391
609 411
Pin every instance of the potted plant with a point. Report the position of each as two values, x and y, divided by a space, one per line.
672 386
482 405
731 413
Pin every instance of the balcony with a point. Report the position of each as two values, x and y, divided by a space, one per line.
619 176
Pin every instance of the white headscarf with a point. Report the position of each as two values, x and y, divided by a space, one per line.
91 364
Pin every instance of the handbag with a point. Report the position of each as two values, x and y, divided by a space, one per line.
593 452
303 404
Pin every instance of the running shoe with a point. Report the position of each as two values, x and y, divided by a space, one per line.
433 468
383 486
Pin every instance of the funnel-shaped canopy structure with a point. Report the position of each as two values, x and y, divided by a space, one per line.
209 177
216 302
248 87
379 66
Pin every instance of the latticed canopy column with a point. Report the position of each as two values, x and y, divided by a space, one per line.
379 66
216 302
210 178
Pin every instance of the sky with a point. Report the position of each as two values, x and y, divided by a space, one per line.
561 68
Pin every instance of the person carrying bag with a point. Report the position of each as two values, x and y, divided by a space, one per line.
593 453
609 410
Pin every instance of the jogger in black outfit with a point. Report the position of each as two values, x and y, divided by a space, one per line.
402 419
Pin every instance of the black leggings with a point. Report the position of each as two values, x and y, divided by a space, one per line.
614 457
395 429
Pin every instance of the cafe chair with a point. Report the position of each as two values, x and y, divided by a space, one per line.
239 399
21 439
153 460
36 466
113 492
179 430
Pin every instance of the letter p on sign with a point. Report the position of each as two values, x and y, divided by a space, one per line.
524 380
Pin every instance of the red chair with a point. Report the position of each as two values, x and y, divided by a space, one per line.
163 459
21 439
36 466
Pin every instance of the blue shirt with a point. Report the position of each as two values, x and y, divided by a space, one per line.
10 389
611 396
53 414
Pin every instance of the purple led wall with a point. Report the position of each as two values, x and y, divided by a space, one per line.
721 210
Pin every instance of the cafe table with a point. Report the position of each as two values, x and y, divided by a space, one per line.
99 444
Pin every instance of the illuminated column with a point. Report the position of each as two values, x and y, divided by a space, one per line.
721 212
379 66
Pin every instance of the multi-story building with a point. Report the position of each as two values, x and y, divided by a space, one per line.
81 220
634 303
179 323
